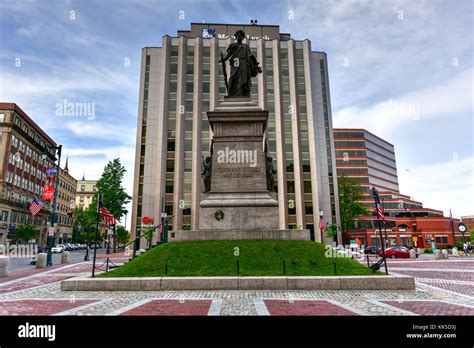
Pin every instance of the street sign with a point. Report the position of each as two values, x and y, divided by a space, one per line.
164 215
12 225
51 231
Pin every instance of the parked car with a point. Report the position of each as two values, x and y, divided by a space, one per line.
371 250
58 248
397 252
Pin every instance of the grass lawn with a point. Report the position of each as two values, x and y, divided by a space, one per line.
256 258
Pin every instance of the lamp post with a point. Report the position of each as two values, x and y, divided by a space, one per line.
44 155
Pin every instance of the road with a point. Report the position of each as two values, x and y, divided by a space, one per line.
19 263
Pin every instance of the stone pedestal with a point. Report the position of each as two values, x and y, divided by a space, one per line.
238 197
41 260
65 257
4 260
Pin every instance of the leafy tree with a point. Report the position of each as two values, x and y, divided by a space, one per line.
350 194
471 231
25 232
86 219
110 185
122 236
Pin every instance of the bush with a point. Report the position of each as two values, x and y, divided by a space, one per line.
428 251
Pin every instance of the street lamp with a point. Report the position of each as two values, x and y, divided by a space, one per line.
44 155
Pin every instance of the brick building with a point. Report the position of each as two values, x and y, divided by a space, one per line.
22 171
371 161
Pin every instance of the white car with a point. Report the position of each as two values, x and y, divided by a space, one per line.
57 248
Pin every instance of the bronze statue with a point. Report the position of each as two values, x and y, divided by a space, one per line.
243 66
271 174
206 173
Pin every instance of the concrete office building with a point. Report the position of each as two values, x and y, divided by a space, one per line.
182 79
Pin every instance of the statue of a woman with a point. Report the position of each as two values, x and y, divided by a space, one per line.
243 66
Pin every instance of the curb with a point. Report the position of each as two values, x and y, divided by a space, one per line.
380 282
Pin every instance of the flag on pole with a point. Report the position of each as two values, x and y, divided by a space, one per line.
107 215
322 224
160 230
35 206
378 206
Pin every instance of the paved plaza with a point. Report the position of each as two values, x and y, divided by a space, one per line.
443 287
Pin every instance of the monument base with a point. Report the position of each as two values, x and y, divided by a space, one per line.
238 234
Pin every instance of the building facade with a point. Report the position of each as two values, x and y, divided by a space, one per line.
182 80
371 160
23 171
65 205
85 192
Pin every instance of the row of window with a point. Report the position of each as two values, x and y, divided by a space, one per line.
24 183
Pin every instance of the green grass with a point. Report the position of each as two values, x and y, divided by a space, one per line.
256 258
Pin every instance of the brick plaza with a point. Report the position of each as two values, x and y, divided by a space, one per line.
443 287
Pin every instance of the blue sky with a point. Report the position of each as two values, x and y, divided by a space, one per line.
401 69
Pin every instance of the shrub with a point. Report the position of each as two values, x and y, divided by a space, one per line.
428 251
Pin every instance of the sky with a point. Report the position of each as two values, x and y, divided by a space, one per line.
401 69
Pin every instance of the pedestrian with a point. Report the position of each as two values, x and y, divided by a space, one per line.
465 248
469 247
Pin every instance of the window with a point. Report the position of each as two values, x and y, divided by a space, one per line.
190 69
206 87
307 186
174 51
83 187
173 87
189 87
2 119
94 188
169 186
170 166
174 68
171 144
4 215
206 69
290 186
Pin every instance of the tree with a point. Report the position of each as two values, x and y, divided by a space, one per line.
110 185
471 232
122 236
25 232
350 194
85 218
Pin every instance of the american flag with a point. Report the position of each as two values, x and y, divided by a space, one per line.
322 224
35 206
107 215
160 229
378 206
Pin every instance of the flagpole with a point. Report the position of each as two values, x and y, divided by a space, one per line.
375 194
99 200
451 222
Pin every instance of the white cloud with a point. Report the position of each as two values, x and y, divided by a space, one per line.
442 186
446 99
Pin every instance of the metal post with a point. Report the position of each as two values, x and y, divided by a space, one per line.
284 267
99 201
86 257
49 257
108 242
107 265
238 267
368 261
115 247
